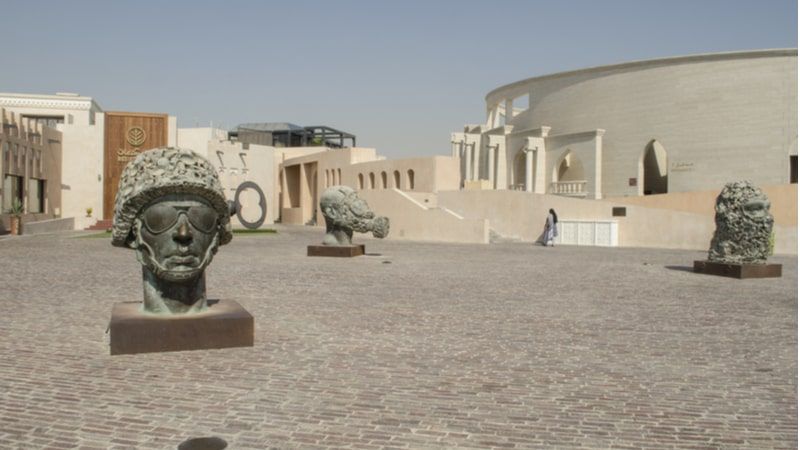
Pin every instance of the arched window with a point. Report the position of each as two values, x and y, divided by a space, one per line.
339 176
384 181
654 169
518 182
327 178
361 181
410 180
371 180
397 179
569 177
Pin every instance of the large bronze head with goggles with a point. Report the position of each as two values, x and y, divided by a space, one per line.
171 209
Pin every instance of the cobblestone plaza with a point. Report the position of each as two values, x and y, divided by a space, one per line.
415 346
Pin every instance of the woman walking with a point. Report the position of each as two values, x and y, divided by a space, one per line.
550 229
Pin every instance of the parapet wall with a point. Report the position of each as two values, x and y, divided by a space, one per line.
521 215
783 198
411 220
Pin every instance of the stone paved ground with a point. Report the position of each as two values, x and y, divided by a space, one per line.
415 346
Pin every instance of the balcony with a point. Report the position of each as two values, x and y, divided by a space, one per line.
569 188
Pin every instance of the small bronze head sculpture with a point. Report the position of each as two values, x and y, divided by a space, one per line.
744 225
344 213
171 209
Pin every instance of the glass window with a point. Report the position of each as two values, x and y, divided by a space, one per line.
35 195
12 189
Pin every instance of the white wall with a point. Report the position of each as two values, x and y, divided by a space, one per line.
82 171
235 165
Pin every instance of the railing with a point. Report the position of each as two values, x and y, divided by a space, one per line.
569 188
517 187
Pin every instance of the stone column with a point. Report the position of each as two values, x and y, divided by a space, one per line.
528 170
468 166
492 150
538 148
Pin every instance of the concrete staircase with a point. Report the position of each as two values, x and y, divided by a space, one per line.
100 225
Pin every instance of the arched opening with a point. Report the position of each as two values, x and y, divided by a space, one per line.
569 177
384 180
518 180
361 181
397 179
371 181
410 180
654 169
327 178
338 176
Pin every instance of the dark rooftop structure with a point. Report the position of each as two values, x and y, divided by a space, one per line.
283 134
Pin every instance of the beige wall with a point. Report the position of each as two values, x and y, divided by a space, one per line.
81 145
235 165
411 220
82 175
521 215
783 198
430 174
75 109
197 139
719 117
343 167
33 152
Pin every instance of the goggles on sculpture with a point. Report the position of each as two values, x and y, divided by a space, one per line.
160 218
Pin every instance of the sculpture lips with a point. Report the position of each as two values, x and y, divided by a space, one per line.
192 261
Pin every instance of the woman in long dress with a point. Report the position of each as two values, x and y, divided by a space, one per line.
550 229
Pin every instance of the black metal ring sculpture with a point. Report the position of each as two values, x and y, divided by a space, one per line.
262 202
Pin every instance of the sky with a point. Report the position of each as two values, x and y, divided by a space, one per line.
400 75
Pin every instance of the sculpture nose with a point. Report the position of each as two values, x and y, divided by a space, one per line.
184 233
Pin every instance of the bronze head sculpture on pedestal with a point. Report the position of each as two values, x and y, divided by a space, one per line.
744 225
171 209
344 213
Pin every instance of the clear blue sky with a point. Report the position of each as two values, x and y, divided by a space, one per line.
399 75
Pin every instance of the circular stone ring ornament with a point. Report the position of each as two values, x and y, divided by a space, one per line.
163 171
136 136
262 202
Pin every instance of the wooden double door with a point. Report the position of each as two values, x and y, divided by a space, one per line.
127 135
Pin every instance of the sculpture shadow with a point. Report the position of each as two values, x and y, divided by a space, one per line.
373 254
681 268
203 443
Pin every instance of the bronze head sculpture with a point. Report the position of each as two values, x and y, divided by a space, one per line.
344 213
171 209
744 225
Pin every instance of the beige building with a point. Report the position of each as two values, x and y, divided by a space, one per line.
87 150
30 165
303 178
668 125
590 143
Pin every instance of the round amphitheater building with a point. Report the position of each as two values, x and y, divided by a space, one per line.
677 124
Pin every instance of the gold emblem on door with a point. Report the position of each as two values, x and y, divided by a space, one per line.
136 136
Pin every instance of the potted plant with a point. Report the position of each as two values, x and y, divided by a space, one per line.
16 216
89 211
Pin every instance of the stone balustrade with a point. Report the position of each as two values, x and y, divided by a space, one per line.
569 188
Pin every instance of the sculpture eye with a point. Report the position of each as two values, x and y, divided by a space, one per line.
203 218
159 218
753 206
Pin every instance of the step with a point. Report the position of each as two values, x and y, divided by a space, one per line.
101 225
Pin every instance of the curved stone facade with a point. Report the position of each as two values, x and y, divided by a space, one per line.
686 124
